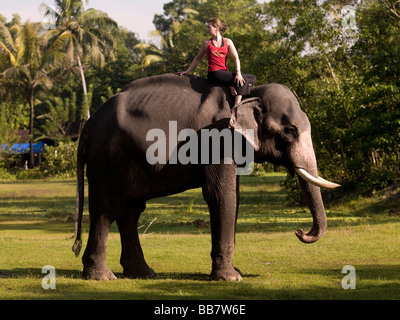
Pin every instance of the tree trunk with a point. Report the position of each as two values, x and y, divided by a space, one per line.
85 101
31 138
392 9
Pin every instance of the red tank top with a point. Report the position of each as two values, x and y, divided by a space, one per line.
217 56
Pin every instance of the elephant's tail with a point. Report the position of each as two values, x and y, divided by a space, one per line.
76 248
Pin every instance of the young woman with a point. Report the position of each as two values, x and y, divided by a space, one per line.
217 49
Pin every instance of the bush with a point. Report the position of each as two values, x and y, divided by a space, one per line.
380 179
294 195
31 174
61 159
5 175
260 169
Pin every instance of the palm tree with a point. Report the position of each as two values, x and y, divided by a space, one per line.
26 67
168 55
79 34
154 58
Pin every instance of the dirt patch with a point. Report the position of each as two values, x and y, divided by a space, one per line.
199 223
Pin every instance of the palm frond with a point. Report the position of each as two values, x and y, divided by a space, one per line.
28 44
93 17
8 39
61 50
11 73
151 59
148 48
10 55
190 12
43 80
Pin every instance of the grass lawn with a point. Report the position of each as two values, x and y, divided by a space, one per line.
36 229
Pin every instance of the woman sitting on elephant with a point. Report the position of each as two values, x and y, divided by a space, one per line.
217 49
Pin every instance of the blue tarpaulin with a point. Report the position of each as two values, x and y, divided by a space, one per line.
24 147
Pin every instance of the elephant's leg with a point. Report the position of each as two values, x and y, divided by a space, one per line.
220 192
94 258
237 213
104 205
132 259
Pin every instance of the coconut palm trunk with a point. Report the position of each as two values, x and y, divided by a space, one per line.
31 134
84 87
80 34
27 68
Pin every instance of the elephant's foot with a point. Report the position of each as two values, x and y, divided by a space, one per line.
98 273
137 272
226 274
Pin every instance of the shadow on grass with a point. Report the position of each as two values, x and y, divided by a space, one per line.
198 226
20 273
365 272
262 209
375 282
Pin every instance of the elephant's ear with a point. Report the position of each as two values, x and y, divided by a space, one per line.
245 116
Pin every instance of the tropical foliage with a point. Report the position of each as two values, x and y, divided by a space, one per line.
24 66
341 58
79 34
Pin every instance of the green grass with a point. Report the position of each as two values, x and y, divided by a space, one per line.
36 229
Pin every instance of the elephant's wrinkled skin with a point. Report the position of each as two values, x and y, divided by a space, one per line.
113 146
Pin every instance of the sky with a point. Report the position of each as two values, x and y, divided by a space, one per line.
135 15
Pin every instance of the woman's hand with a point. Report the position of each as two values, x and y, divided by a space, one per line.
181 73
239 80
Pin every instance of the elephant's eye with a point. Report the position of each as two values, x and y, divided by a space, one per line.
289 133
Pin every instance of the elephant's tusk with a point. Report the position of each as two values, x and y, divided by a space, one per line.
326 181
319 182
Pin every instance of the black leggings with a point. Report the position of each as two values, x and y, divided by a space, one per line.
228 78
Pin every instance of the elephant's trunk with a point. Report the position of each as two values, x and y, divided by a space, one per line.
316 205
305 165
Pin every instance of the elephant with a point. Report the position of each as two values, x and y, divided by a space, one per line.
114 142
